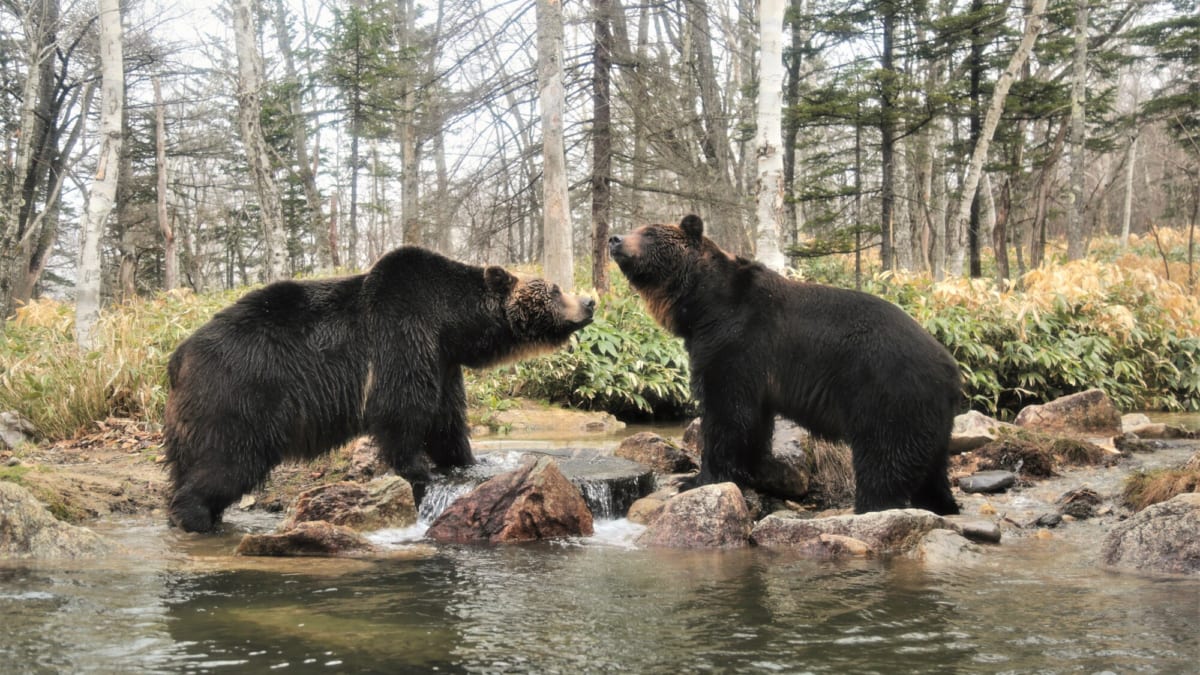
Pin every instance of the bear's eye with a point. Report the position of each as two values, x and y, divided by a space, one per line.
554 290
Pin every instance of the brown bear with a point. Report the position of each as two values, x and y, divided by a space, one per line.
845 365
296 368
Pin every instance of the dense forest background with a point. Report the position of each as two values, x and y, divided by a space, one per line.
406 122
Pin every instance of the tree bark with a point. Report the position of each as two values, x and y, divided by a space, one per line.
601 143
557 254
769 188
410 147
887 134
170 257
1076 247
305 166
1127 205
1033 27
249 95
104 185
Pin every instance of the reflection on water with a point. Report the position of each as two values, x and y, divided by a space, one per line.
180 603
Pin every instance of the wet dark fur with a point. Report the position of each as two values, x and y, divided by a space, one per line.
298 368
845 365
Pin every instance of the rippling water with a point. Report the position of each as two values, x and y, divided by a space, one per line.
178 603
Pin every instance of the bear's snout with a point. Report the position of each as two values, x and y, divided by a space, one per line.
614 244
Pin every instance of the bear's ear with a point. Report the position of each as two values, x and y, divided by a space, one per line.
692 226
499 280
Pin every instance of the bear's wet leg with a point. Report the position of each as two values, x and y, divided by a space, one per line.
448 439
881 482
737 436
199 499
934 493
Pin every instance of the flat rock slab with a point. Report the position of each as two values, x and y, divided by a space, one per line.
29 530
896 531
987 482
313 538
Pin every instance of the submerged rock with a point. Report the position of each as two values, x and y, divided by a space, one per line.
946 548
29 530
314 538
710 516
1163 538
533 502
382 503
1088 412
892 532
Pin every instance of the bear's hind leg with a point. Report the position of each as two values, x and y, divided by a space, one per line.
883 477
934 493
737 439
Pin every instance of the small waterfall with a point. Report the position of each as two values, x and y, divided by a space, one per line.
438 496
599 497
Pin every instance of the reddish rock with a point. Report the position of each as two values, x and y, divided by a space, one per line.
317 538
711 516
1088 412
382 503
659 454
364 460
533 502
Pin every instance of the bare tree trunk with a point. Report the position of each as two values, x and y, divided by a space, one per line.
557 253
104 185
170 258
250 85
769 137
1033 26
410 147
305 165
976 122
601 144
794 212
887 135
39 23
1127 207
1076 246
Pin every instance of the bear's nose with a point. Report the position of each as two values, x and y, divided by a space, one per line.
615 239
589 305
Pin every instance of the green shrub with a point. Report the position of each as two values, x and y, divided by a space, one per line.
622 363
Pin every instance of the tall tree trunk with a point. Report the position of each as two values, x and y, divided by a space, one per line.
410 147
305 164
1076 246
769 136
104 185
601 143
794 64
1033 27
170 258
977 66
887 133
557 253
250 85
39 24
1127 206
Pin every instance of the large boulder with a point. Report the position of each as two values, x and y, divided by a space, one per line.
710 516
28 530
885 533
533 502
315 538
382 503
1163 538
973 429
1089 413
657 453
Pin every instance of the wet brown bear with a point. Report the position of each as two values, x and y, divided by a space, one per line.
297 368
843 364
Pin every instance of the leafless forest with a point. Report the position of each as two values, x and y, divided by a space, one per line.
267 138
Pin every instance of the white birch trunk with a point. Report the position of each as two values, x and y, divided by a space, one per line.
557 254
249 95
1127 210
171 259
104 186
769 137
1075 243
1033 27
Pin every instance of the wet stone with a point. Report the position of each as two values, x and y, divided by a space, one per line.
981 531
1049 520
986 482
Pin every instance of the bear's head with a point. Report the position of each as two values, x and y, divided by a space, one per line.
662 262
539 314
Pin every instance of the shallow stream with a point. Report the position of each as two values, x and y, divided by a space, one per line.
183 603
